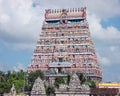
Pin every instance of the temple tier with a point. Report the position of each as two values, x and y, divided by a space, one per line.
65 45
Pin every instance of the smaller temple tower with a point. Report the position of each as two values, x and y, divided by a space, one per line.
38 88
74 82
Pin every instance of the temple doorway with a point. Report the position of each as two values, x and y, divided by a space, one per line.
59 69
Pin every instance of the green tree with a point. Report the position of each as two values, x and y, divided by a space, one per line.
8 75
32 76
68 79
2 76
9 78
82 78
19 85
1 87
58 81
90 83
50 90
4 85
18 78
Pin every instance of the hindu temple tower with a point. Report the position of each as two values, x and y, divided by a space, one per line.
65 45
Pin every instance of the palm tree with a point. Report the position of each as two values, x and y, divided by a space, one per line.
84 80
8 75
90 83
2 76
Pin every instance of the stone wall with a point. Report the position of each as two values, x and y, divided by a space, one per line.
7 94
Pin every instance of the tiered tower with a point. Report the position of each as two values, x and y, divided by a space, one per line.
65 45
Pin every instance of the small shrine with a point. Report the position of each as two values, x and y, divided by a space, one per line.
74 88
75 83
38 88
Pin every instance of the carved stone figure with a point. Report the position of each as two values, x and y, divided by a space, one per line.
13 90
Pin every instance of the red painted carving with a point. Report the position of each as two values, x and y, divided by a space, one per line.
47 11
83 12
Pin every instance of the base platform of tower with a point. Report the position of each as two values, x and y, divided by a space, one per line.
65 45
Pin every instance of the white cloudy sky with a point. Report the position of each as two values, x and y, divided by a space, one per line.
20 25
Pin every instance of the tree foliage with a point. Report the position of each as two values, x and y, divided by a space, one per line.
9 78
82 77
58 81
50 90
90 83
32 76
68 79
84 80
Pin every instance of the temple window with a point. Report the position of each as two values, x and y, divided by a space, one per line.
73 46
74 56
77 49
61 50
60 59
68 46
62 42
62 34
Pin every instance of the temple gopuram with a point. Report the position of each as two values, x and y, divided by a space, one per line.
65 45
